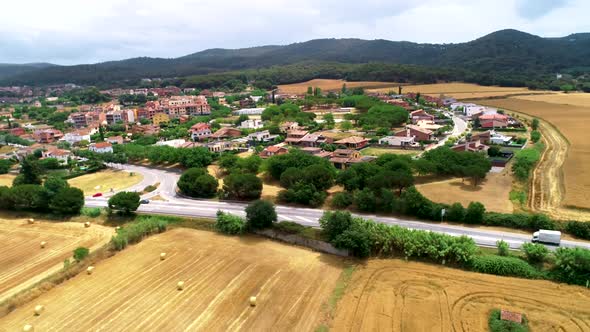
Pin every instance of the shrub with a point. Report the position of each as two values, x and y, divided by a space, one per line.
6 201
80 253
504 266
342 200
289 227
503 248
91 212
365 200
303 193
535 136
456 212
579 229
572 265
496 324
260 214
136 231
519 221
335 223
475 212
535 253
356 240
230 224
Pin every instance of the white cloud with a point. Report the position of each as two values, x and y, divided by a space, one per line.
74 31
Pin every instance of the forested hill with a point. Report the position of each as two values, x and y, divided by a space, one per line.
508 56
9 70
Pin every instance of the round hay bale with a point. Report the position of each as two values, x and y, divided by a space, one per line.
253 301
87 224
90 269
31 221
180 285
39 309
43 244
28 328
162 256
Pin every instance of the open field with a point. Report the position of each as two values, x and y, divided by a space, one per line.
23 261
493 192
563 170
220 274
395 295
106 179
571 99
6 149
462 90
333 85
380 151
6 179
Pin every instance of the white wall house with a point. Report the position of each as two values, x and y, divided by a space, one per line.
251 124
102 147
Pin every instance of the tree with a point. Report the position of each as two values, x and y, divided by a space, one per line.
535 136
126 202
535 124
195 157
30 197
494 151
456 212
329 120
242 186
30 170
346 125
6 199
260 214
49 163
474 213
53 184
343 90
310 90
5 165
196 182
80 253
335 223
227 161
67 201
535 252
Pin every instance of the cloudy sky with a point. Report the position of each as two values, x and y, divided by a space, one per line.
88 31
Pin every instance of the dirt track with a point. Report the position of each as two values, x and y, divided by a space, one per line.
23 262
395 295
135 291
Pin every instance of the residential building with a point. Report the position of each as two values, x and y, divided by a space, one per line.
419 115
47 135
113 117
251 124
19 131
101 147
175 143
226 133
115 139
160 118
475 146
147 130
353 142
261 136
79 120
273 150
397 141
200 131
318 152
59 154
427 124
249 111
343 158
418 133
314 140
288 126
177 106
294 136
493 121
77 136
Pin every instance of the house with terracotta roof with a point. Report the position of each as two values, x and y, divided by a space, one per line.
353 142
475 146
294 136
59 154
493 121
47 135
200 131
226 132
318 152
314 140
419 115
77 136
273 150
115 139
397 141
147 130
419 134
343 158
101 147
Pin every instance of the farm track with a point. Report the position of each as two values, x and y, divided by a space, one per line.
395 295
220 274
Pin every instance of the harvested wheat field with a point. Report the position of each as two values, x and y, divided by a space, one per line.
493 192
103 181
572 122
24 262
395 295
220 275
334 85
6 179
462 90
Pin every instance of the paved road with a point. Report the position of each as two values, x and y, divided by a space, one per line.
175 205
459 127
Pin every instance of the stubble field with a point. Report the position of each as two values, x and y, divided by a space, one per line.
220 275
23 262
572 121
395 295
461 90
334 85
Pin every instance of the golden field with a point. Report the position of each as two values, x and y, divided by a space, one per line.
461 90
333 85
105 180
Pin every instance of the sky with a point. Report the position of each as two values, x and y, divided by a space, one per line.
88 31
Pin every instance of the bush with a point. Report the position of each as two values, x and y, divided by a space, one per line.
496 324
5 165
504 266
475 212
579 229
519 220
260 214
342 200
6 201
53 184
356 240
289 227
365 200
302 193
503 248
136 231
196 182
125 202
67 201
335 223
80 253
535 136
572 265
91 212
456 212
229 224
535 253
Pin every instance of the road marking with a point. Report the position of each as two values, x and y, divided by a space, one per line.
282 217
305 219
